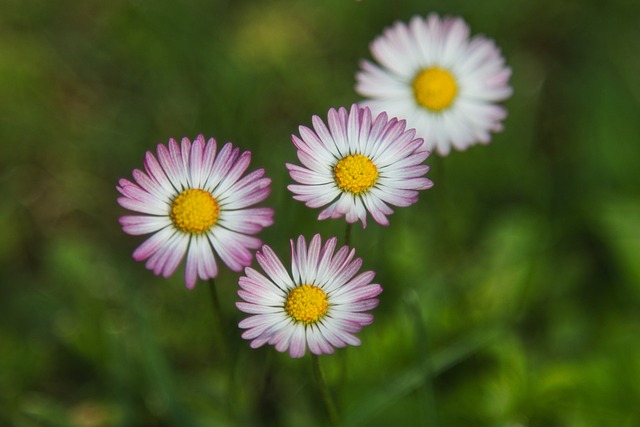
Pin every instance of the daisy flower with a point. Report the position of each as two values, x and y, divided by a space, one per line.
358 164
320 305
195 201
442 82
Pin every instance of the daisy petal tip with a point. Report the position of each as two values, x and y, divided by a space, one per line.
256 344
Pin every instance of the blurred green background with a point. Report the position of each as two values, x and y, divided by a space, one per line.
512 288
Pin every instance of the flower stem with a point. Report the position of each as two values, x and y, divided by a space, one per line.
324 390
221 337
347 234
427 414
223 351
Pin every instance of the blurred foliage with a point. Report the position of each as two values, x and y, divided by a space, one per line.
512 288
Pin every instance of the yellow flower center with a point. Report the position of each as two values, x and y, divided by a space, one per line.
306 303
194 211
355 173
435 88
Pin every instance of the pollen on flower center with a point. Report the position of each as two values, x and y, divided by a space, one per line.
306 303
435 88
194 211
355 173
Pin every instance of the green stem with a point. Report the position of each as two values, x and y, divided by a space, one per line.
427 413
446 233
437 172
347 234
223 350
324 390
221 337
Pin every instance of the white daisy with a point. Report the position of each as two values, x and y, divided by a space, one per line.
442 82
320 305
357 165
195 201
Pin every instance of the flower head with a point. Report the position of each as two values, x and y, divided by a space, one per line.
442 82
195 201
358 164
320 305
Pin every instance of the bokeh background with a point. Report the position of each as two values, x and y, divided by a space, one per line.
512 288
